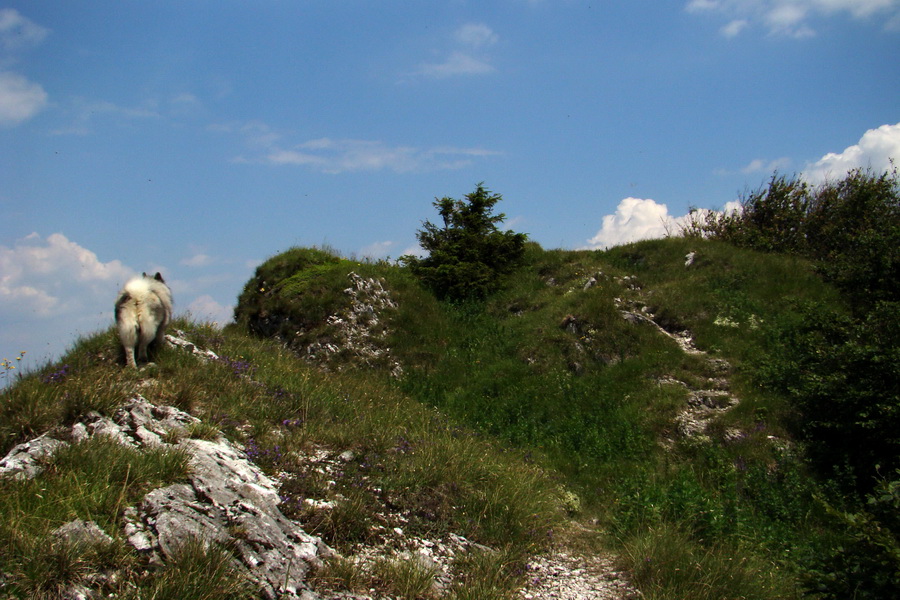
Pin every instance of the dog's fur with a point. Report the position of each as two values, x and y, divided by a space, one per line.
143 310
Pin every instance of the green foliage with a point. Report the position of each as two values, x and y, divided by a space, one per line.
538 397
291 291
853 230
850 227
197 571
468 254
262 397
770 219
838 364
865 563
668 565
843 375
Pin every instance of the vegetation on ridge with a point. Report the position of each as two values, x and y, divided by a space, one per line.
538 395
468 256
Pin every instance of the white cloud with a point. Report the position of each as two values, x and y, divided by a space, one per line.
17 31
377 250
788 19
53 277
205 308
197 260
792 18
51 291
635 219
458 63
333 156
734 28
468 57
761 165
875 150
476 35
339 156
638 219
20 99
701 5
87 112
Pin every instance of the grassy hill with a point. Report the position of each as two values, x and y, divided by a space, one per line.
599 401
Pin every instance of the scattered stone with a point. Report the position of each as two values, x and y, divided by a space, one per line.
180 342
359 331
228 500
562 576
26 460
703 405
82 534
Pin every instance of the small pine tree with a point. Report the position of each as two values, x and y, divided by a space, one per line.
468 254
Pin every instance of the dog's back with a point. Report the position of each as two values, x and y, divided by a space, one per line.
143 310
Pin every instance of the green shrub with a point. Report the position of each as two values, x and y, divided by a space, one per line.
853 230
842 375
865 563
771 218
850 227
469 253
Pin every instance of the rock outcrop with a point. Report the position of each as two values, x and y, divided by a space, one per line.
358 332
228 500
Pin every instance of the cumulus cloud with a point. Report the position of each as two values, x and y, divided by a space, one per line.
635 219
793 17
52 290
638 219
875 150
54 276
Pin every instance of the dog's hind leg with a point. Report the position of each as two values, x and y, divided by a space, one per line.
147 335
129 356
128 329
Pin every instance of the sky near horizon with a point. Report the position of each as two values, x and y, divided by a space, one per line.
198 138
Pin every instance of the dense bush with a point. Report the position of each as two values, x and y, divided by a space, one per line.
850 227
853 230
843 376
866 563
469 253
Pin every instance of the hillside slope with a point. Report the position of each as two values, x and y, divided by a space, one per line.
599 401
631 373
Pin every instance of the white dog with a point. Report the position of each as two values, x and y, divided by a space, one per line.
143 310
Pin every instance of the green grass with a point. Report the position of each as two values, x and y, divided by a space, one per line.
261 396
539 400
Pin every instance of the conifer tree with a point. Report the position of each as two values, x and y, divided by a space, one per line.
468 254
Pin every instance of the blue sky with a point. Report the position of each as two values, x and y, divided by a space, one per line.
198 138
